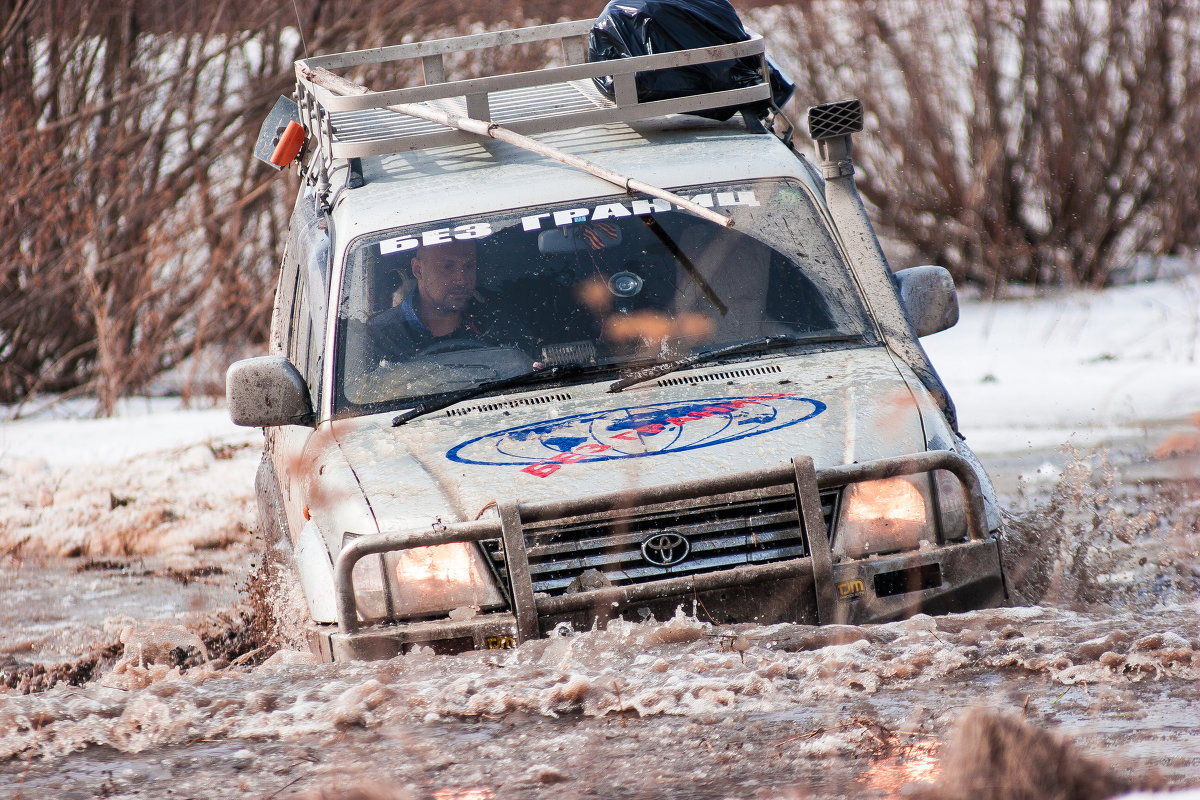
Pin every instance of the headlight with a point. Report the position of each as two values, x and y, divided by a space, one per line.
439 579
370 582
423 581
952 505
883 516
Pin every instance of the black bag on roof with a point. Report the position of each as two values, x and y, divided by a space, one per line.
629 28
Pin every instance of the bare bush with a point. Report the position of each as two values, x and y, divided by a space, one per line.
135 227
139 230
1016 140
1002 757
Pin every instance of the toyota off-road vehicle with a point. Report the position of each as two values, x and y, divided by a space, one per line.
545 355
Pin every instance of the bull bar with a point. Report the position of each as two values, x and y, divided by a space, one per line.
526 608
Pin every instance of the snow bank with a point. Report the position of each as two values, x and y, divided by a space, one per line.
154 479
1082 366
64 435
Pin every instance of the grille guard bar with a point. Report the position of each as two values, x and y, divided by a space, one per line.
508 527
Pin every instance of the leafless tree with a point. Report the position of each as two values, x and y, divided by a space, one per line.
1034 141
131 231
137 228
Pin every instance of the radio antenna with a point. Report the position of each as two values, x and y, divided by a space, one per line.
300 27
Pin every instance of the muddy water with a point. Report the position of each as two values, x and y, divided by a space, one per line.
54 608
1109 657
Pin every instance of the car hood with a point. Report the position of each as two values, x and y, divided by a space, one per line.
578 440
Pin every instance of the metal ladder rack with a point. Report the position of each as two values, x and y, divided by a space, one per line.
537 101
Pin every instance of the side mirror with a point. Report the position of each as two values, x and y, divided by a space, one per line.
928 298
267 391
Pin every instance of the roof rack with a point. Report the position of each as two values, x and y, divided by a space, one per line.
538 101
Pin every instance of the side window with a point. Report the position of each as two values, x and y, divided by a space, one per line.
285 307
316 350
310 237
299 344
304 292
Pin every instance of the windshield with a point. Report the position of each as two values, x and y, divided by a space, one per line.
598 285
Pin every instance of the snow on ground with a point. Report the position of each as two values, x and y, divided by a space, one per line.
155 479
64 435
1082 367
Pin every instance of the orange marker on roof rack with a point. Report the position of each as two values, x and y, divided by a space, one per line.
289 145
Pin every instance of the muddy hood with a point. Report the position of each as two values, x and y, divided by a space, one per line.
579 440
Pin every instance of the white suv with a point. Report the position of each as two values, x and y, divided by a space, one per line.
609 405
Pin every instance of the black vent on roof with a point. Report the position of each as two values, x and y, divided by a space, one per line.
719 376
524 401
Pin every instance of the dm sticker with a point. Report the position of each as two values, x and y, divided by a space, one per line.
850 588
542 448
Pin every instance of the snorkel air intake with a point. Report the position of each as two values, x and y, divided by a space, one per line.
831 125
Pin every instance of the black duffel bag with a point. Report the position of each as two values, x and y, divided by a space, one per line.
629 28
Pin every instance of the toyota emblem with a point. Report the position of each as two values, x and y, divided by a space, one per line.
665 549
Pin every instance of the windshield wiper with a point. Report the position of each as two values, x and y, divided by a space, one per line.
685 262
761 343
446 399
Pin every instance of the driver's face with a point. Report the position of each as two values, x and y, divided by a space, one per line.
446 275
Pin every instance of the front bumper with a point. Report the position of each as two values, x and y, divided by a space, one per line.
806 590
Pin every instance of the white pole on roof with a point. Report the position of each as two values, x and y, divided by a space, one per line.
341 86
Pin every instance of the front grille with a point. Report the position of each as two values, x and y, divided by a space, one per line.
752 527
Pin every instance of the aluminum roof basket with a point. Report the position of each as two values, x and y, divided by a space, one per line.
538 101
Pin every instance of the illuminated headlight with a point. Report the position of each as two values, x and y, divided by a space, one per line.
439 579
423 581
883 516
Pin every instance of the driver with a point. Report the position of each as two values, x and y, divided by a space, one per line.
441 308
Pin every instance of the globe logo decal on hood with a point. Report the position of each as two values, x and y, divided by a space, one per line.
542 448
